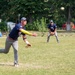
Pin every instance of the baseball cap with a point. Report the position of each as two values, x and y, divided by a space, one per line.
51 20
23 19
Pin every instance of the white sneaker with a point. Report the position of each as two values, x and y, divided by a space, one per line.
16 65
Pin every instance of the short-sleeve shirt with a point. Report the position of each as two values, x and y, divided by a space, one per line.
52 27
15 33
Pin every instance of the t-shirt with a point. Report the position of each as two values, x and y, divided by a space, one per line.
52 27
15 33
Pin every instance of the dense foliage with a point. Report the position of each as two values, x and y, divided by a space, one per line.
13 10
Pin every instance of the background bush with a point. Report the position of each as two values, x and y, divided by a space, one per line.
3 26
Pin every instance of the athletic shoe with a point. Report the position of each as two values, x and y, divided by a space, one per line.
16 65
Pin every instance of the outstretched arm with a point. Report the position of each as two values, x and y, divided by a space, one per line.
28 33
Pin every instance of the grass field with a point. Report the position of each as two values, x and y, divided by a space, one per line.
42 58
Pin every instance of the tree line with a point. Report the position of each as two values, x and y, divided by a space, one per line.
13 10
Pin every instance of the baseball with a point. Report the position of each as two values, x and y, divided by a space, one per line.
62 8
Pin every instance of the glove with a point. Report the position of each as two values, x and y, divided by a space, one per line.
28 45
52 33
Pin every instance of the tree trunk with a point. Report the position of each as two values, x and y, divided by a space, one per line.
68 28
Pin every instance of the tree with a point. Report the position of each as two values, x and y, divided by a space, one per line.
36 9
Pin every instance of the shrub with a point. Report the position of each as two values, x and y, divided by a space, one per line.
3 26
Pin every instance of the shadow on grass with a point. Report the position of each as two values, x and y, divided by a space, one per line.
6 64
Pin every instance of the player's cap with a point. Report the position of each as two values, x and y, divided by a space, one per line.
51 21
23 19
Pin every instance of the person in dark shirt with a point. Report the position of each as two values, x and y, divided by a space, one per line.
52 30
12 39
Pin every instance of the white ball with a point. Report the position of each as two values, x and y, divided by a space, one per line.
62 8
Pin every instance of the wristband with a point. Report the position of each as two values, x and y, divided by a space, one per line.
24 38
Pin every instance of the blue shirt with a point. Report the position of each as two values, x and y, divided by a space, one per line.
52 27
14 34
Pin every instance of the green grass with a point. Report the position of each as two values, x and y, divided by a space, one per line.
42 58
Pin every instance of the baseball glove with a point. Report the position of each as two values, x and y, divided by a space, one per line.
28 45
52 33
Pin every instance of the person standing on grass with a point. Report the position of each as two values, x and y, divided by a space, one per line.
52 30
12 39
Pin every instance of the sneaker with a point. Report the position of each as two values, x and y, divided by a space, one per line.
16 65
